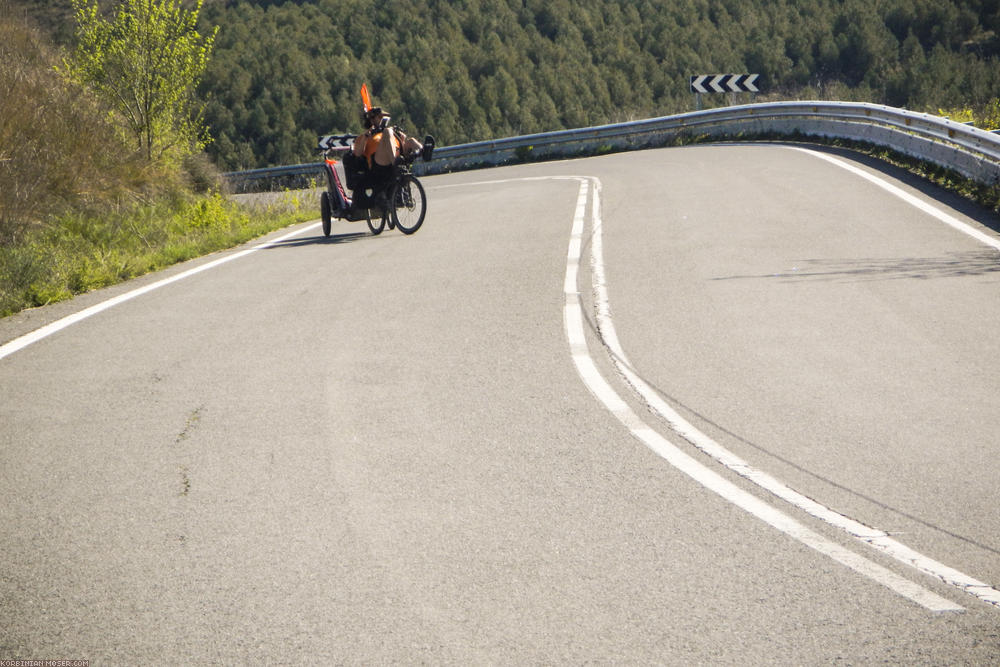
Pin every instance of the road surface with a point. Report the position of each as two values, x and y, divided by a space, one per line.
713 404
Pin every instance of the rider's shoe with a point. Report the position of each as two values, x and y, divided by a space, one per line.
428 150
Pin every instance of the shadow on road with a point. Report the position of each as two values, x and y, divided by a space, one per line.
319 239
983 262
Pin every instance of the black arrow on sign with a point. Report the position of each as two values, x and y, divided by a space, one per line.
331 141
724 83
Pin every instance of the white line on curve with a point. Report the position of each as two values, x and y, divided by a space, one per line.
595 382
27 339
927 208
874 537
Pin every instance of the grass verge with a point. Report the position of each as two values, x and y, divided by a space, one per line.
76 253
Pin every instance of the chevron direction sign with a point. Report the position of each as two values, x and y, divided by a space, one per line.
335 142
724 83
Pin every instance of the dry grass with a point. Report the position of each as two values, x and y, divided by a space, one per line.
58 149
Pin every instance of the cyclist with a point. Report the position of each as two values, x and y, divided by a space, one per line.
380 145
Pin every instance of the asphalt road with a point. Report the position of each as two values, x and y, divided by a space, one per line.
374 450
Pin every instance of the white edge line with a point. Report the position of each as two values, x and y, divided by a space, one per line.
927 208
24 341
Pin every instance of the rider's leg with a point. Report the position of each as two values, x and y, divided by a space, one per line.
411 145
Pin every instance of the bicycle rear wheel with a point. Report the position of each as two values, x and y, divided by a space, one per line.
409 205
325 212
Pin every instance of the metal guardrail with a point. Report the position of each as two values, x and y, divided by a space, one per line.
968 150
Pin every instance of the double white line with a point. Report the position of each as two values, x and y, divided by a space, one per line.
573 316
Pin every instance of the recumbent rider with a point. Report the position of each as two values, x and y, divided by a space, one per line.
379 145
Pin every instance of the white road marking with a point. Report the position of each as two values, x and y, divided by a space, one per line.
924 206
24 341
873 537
602 390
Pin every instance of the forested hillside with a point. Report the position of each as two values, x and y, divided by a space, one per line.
468 70
283 72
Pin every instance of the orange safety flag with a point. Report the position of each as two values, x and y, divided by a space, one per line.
366 101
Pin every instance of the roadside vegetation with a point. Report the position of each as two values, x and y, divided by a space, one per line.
77 252
92 192
283 72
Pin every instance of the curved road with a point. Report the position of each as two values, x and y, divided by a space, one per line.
715 404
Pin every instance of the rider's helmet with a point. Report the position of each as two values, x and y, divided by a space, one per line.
368 117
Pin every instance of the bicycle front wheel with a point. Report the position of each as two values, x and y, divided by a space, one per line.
376 220
409 205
